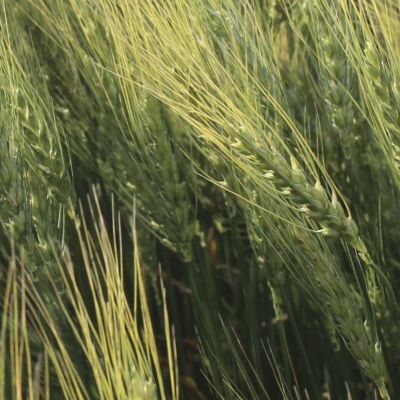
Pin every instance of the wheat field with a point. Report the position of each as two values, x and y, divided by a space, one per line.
199 199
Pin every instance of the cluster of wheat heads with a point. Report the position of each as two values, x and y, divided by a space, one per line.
254 143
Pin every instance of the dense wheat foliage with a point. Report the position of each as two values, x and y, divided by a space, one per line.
199 199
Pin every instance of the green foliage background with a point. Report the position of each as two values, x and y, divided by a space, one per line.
199 199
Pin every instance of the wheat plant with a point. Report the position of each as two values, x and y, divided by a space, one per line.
199 199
